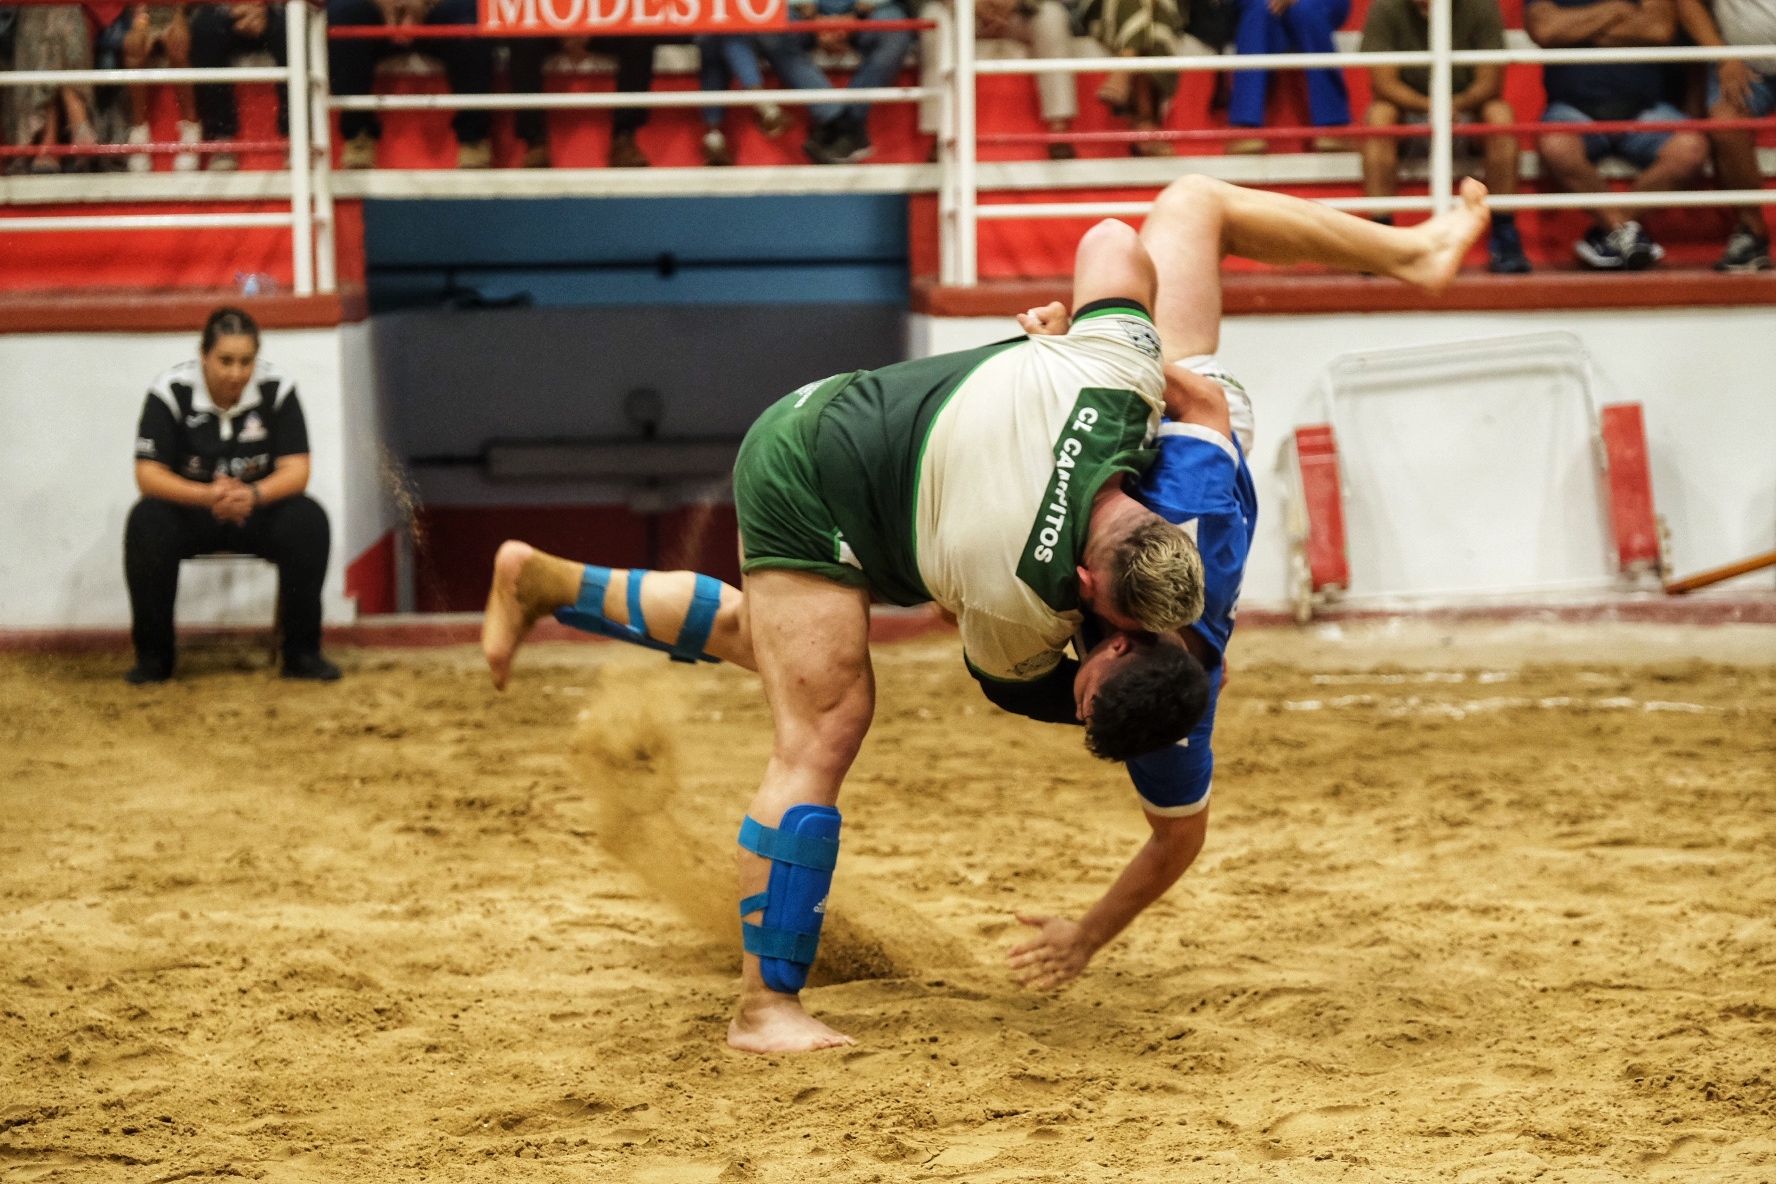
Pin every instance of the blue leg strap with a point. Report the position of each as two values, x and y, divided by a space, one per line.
803 849
587 614
693 635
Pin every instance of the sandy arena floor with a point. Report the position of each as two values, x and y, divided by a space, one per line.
1490 906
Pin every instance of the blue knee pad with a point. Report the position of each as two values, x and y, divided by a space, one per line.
587 614
803 849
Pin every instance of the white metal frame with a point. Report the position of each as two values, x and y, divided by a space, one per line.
310 217
311 183
1441 58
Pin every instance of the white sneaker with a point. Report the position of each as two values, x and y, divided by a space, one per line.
140 162
190 132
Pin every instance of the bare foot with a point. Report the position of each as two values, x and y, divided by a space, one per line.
1447 239
507 619
770 1022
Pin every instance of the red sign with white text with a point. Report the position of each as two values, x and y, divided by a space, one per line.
582 18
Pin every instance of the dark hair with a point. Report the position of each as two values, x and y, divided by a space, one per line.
1153 701
228 321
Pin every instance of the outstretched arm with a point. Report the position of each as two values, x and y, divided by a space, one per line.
1061 948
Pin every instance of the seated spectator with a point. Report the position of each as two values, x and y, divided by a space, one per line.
1138 29
468 63
51 37
1289 26
1043 27
1580 94
635 75
222 462
1402 96
839 134
221 33
723 60
1738 90
157 35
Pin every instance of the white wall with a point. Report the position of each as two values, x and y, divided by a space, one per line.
1453 475
1707 380
70 403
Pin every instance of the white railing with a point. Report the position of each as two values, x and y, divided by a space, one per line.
959 184
963 268
310 217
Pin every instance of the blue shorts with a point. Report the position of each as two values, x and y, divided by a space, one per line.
1763 92
1639 149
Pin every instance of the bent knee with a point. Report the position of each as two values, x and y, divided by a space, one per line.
1687 150
1110 234
1191 191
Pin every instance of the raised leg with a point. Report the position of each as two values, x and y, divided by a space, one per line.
811 636
529 584
1197 220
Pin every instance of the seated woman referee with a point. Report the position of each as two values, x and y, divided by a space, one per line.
222 462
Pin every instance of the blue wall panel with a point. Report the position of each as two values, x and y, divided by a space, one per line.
628 251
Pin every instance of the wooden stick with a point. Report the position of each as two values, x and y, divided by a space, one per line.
1705 578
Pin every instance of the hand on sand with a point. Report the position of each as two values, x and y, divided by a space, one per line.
1054 957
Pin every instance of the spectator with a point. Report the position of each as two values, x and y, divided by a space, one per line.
1289 26
1580 94
220 33
222 463
468 63
1130 29
721 61
839 134
51 37
1043 27
1402 95
1738 90
635 75
157 35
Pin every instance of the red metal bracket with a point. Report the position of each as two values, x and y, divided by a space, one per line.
1323 503
1633 523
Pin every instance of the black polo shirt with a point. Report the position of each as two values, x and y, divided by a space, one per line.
183 429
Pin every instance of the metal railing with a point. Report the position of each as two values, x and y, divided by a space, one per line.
961 264
310 217
311 203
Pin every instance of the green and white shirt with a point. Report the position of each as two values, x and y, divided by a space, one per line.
968 478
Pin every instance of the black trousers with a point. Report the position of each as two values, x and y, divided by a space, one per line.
214 42
292 533
468 63
635 75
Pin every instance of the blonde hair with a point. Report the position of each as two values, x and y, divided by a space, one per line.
1156 576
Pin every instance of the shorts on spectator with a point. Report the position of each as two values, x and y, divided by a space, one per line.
1639 149
1763 92
1419 147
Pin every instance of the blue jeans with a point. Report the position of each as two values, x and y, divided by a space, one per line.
725 59
1763 92
1639 149
1306 26
792 57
